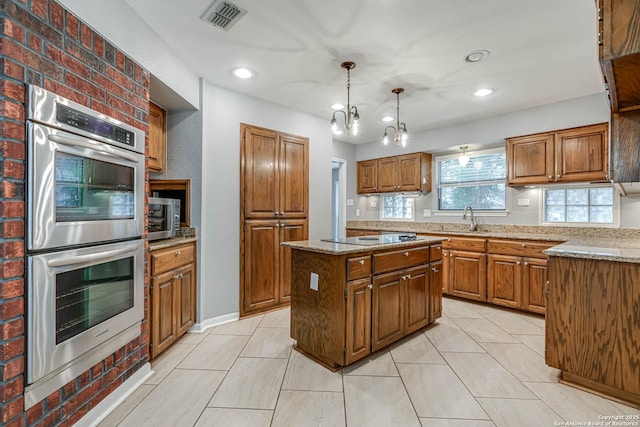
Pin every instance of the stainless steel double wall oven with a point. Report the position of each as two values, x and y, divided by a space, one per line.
85 220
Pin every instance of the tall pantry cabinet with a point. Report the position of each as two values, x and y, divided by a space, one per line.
274 199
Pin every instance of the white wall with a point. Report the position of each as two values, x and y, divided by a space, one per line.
223 111
345 151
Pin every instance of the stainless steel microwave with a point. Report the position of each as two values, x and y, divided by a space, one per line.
164 218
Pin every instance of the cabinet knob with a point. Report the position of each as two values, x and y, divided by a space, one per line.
444 254
435 270
526 263
370 286
178 253
518 262
449 239
406 254
550 176
437 248
408 276
558 176
524 245
403 277
361 262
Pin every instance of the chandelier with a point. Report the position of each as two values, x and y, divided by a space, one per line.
351 115
400 129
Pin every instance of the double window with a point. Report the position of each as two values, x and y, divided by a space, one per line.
480 183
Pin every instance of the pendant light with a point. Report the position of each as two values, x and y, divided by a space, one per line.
351 116
463 157
400 129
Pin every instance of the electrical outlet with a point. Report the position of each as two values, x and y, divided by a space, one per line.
373 204
426 213
313 283
523 202
349 202
357 212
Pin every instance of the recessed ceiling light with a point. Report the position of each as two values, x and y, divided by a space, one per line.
387 119
242 73
337 106
483 92
477 55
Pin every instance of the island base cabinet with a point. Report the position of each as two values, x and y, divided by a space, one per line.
593 323
417 299
358 320
435 290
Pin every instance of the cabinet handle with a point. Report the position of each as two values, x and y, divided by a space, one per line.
437 248
406 254
518 262
435 270
558 176
361 262
178 253
403 277
526 263
408 276
449 239
370 286
444 254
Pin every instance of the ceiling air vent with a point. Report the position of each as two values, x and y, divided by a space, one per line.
223 14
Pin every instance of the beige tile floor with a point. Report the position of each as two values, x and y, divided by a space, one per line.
478 366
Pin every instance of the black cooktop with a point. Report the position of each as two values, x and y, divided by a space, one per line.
381 239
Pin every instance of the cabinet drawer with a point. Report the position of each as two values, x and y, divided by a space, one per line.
358 267
352 232
396 260
465 244
522 248
435 253
167 259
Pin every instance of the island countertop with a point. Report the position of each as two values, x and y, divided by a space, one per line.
620 250
334 248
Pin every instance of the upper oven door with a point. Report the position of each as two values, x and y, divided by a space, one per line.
81 191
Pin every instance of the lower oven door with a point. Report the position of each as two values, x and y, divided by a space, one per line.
78 299
81 191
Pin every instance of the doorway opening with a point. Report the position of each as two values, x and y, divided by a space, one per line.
338 197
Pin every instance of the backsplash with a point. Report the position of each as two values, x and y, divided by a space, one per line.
45 45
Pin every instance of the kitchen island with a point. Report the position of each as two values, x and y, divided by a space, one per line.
354 296
593 315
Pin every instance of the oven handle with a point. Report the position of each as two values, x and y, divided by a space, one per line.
91 257
81 142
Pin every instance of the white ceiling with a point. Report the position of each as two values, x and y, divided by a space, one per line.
542 51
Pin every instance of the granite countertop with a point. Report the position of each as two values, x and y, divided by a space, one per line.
167 243
332 248
602 249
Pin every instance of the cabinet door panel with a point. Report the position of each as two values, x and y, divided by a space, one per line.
163 312
417 299
446 269
261 173
582 154
530 160
504 285
293 175
261 264
157 138
387 174
387 313
468 275
290 230
535 284
367 177
185 297
435 290
358 320
409 173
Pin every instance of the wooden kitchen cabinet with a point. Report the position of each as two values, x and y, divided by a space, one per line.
352 232
435 290
504 280
386 316
290 230
535 285
358 319
464 267
173 294
570 155
157 138
409 172
367 178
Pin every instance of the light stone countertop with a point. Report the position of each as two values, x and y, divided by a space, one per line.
600 249
331 248
167 243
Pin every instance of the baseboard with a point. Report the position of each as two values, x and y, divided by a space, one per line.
110 402
214 321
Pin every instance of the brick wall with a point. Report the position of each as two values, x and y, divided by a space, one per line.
44 44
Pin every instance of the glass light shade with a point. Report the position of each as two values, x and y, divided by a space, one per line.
463 159
385 139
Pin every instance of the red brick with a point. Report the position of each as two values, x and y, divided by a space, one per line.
98 45
13 368
12 130
51 419
12 409
11 269
18 422
120 60
12 90
84 379
96 371
11 190
85 86
12 289
13 249
31 59
10 209
53 400
56 15
69 389
119 77
12 170
72 26
66 91
86 37
81 398
109 111
120 105
68 61
12 389
34 413
12 308
39 7
11 109
12 68
12 329
138 101
109 85
13 229
75 417
35 43
14 30
13 348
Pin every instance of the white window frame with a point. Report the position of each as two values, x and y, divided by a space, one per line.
479 213
616 206
405 196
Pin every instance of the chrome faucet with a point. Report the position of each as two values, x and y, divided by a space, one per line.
472 219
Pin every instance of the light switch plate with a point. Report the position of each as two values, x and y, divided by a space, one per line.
523 202
373 204
357 212
314 282
426 213
349 202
